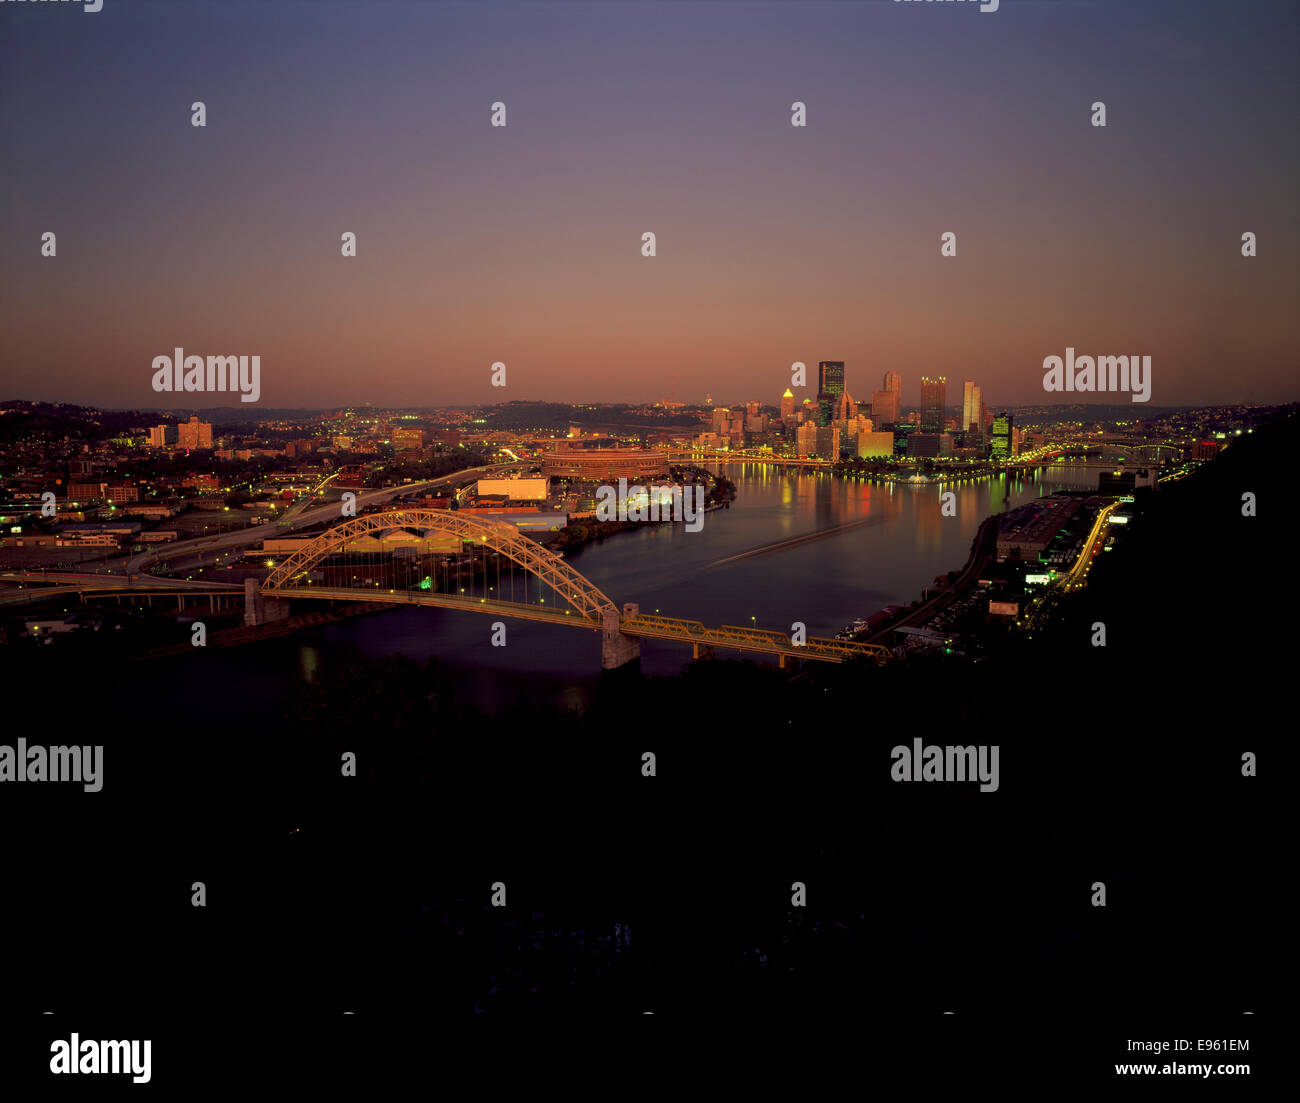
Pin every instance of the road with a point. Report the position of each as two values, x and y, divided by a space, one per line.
204 546
100 579
1044 606
1078 573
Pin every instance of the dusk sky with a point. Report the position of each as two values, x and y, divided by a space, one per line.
523 244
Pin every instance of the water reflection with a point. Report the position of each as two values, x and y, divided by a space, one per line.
824 582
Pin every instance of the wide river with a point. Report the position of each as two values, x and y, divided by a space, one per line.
895 542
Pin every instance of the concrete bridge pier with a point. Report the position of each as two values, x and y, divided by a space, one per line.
617 649
259 609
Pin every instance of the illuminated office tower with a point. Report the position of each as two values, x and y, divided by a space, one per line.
934 397
1001 436
970 404
830 386
973 417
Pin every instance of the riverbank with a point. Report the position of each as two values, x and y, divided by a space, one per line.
719 493
883 473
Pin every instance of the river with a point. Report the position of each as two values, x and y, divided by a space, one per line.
884 544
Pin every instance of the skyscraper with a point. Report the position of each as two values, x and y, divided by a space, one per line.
972 415
830 386
830 377
934 397
893 382
787 404
970 404
1001 436
884 407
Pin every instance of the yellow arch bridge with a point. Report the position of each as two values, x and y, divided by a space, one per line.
362 559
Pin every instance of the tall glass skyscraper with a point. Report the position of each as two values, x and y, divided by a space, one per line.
886 404
1002 436
830 387
972 413
934 397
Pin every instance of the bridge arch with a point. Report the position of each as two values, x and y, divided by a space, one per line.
584 597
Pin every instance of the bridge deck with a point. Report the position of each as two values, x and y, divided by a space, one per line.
645 626
751 639
440 601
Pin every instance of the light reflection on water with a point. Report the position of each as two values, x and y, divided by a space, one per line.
825 583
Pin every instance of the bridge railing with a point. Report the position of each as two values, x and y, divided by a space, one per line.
751 639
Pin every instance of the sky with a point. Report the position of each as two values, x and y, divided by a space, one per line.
523 244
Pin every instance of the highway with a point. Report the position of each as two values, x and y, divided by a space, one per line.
205 546
104 581
1036 611
1078 573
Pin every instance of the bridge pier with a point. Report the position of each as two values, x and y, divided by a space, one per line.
617 649
259 609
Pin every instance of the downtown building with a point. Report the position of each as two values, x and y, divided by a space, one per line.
1003 437
818 442
886 402
929 445
972 412
830 389
875 444
934 397
884 407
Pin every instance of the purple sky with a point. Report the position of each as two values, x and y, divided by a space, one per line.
523 244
